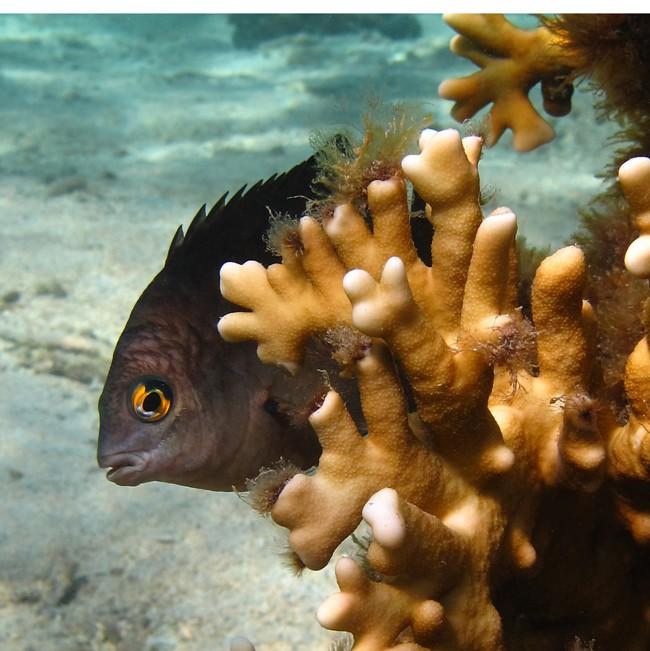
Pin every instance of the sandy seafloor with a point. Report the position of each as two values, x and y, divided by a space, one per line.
113 130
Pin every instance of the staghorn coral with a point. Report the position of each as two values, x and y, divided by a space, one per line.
503 514
612 53
512 61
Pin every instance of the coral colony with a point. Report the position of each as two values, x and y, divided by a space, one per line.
506 498
507 495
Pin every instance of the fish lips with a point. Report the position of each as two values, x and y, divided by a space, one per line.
126 468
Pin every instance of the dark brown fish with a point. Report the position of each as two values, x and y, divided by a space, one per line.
179 404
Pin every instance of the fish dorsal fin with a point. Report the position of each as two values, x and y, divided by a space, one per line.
219 205
177 241
234 229
196 223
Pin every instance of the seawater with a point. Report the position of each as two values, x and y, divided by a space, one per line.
114 130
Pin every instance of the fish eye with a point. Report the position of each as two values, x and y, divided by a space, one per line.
151 400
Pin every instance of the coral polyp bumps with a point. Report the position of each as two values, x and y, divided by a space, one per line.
508 506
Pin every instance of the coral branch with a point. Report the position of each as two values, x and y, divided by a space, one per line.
562 350
428 597
512 61
407 540
357 606
634 176
488 280
289 302
445 175
322 509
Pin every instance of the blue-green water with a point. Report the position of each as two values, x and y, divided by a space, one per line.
169 102
113 130
167 107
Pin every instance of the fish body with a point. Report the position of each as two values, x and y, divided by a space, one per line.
179 404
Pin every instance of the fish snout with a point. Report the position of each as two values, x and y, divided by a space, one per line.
126 468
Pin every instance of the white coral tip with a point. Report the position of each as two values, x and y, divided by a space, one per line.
501 223
227 274
331 404
393 275
425 137
382 513
339 223
226 327
634 170
411 165
473 146
358 284
637 257
332 612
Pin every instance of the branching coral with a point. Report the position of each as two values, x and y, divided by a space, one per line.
634 176
512 61
611 51
503 513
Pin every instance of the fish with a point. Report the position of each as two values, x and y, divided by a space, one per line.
179 404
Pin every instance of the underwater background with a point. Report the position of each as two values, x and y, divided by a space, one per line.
114 129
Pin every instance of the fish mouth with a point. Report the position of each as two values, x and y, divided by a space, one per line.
125 468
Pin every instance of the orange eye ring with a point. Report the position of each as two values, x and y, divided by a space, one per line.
151 400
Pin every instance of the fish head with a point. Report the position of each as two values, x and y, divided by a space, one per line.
153 397
179 404
182 406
